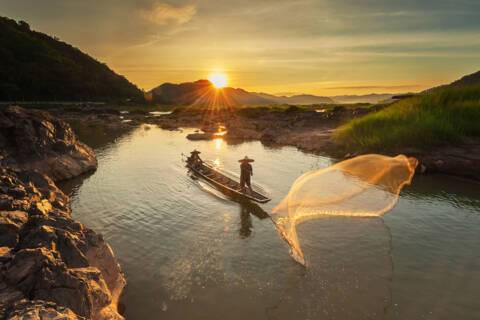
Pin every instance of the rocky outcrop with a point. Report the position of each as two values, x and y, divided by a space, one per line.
461 160
35 140
50 265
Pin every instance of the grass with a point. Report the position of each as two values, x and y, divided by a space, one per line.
446 115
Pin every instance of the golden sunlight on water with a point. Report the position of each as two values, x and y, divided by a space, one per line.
365 186
188 251
218 143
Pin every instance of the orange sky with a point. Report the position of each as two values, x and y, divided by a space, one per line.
323 47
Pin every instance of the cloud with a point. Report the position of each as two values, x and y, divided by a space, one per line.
164 13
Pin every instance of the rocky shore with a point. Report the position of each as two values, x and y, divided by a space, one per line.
51 266
308 130
35 140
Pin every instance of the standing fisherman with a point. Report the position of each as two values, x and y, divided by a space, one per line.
246 171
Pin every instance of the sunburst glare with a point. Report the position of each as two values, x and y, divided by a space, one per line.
218 79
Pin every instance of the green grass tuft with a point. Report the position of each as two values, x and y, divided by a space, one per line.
446 115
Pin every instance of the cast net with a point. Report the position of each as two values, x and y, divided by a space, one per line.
364 186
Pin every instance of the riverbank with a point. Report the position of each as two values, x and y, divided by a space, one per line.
316 132
308 129
50 264
439 126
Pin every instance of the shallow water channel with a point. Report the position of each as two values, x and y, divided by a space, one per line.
190 253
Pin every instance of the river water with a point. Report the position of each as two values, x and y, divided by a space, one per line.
190 253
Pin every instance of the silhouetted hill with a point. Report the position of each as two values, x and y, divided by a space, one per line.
471 79
468 80
203 93
35 66
301 99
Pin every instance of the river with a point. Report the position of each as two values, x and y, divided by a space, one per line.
190 253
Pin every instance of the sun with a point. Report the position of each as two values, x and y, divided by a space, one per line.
218 79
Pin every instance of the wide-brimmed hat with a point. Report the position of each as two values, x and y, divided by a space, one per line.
195 151
246 159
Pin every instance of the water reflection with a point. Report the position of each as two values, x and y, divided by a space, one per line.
190 254
218 143
245 223
247 209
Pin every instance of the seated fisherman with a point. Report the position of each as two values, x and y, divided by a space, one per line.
194 160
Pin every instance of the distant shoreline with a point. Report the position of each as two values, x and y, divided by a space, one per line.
303 128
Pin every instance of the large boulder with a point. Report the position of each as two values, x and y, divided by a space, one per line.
34 139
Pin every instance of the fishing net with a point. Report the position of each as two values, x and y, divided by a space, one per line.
364 186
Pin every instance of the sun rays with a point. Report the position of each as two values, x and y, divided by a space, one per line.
218 79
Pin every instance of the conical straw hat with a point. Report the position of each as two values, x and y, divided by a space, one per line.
246 159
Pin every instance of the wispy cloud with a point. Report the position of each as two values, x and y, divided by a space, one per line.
164 13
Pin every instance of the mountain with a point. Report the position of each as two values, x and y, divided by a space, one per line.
468 80
471 79
301 99
367 98
203 93
35 66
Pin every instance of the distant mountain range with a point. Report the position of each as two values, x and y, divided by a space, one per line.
202 92
35 66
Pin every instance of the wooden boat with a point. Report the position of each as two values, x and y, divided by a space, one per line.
226 184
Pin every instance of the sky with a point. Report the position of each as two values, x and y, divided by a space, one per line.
324 47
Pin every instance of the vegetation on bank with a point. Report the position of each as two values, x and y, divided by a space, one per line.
37 67
445 115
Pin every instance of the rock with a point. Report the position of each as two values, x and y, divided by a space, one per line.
10 224
5 254
439 163
8 298
461 160
270 134
33 139
39 310
47 256
350 155
200 136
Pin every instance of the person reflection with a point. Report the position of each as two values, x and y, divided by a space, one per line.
245 222
247 209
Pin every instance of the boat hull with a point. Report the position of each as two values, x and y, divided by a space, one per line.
225 184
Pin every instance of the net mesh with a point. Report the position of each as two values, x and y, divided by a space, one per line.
364 186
